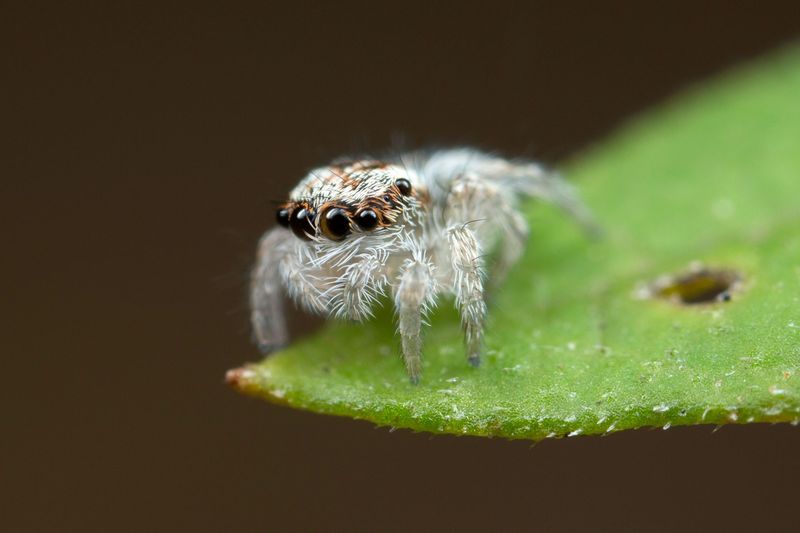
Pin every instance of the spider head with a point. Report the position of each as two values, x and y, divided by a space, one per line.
339 200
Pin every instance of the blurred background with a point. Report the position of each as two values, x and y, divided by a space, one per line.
144 146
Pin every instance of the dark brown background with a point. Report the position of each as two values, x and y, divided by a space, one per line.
144 148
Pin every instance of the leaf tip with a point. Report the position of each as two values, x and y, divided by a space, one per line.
241 379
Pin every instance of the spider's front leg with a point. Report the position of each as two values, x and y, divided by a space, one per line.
465 257
266 300
414 295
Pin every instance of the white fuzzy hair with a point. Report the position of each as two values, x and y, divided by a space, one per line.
462 203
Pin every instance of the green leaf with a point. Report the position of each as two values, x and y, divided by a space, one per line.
712 177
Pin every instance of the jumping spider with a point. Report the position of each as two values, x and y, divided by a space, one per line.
415 226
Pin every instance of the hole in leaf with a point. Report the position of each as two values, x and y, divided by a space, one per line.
700 285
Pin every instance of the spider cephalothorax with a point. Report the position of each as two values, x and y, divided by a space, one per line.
413 227
335 201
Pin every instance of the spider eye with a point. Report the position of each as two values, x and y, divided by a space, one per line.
367 219
301 222
282 216
404 186
335 223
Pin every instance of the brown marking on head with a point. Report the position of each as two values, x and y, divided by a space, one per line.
386 207
292 205
366 166
345 172
332 204
341 175
358 165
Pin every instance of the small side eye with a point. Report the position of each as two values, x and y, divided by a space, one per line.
301 222
367 219
404 186
282 216
335 223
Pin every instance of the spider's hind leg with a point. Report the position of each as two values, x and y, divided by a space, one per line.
513 238
533 180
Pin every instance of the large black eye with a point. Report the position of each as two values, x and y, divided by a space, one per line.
367 219
404 186
335 223
302 223
282 216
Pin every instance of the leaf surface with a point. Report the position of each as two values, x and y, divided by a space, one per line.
711 177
